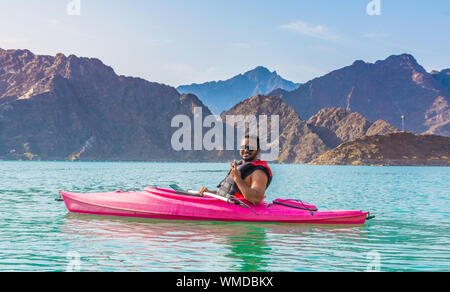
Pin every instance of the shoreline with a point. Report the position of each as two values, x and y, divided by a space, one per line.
222 162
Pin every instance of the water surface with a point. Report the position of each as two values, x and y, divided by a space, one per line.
410 233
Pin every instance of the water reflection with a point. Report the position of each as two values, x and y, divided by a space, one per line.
250 247
143 244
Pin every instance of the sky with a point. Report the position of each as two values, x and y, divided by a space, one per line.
179 42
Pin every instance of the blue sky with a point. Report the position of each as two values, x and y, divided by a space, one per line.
184 41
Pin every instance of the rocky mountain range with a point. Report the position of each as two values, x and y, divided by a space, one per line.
337 125
392 149
302 141
443 77
219 96
297 143
71 108
385 90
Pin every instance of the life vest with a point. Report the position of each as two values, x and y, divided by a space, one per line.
228 187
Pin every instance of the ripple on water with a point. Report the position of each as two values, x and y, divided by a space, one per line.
410 233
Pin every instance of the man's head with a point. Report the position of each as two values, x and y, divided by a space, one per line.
249 148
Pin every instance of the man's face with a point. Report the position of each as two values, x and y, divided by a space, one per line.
248 150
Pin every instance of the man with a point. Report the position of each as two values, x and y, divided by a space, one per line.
249 178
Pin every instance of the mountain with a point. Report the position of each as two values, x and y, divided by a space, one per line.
222 95
72 108
439 123
385 90
443 77
297 143
393 149
337 125
301 141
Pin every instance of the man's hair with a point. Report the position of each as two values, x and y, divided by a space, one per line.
253 137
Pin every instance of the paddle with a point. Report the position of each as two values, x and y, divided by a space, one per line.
59 198
235 201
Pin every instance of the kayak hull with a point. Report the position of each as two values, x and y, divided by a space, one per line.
158 203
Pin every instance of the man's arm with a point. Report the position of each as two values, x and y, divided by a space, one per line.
255 192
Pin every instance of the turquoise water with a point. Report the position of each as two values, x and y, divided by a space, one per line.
410 233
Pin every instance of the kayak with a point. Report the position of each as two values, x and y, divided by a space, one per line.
157 203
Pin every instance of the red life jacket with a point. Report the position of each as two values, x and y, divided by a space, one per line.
228 186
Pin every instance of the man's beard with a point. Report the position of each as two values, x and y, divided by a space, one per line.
250 158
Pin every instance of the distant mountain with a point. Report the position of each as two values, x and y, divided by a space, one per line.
302 141
71 108
384 90
392 149
219 96
439 123
337 125
298 144
443 77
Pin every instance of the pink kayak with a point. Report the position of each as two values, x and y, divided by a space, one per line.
159 203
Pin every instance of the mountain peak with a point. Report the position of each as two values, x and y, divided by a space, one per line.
259 73
77 108
259 69
16 51
297 143
359 63
386 90
443 77
222 95
404 56
401 59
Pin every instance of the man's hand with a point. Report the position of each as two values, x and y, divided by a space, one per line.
203 191
235 174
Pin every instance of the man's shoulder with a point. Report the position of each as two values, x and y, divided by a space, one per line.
259 172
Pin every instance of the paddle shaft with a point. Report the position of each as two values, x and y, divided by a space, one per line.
210 195
228 200
215 196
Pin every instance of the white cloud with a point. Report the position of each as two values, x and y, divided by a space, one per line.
315 31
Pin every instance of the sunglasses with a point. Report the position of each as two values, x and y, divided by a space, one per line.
246 147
